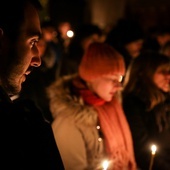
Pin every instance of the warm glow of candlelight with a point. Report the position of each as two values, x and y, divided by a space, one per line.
70 33
153 152
153 149
105 164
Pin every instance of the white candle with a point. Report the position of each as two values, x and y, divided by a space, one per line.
153 152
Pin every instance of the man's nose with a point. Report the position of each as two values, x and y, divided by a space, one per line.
36 61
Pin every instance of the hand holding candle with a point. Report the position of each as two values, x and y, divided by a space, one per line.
153 152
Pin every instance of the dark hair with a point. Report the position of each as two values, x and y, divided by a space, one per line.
47 24
11 15
124 32
86 30
140 81
83 31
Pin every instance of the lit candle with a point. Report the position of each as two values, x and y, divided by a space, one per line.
105 164
153 152
70 33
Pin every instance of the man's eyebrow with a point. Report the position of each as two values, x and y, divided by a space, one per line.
32 34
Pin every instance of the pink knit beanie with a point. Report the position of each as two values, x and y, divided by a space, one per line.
100 59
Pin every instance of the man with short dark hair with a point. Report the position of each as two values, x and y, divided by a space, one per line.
27 141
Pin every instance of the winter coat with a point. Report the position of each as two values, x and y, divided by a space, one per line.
145 132
75 128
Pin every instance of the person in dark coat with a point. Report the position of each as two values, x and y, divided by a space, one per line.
27 141
127 37
146 103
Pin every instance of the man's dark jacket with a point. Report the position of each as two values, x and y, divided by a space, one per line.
27 141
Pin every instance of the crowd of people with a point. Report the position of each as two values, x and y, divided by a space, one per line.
97 102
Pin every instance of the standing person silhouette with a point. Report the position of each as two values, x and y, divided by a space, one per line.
27 141
146 103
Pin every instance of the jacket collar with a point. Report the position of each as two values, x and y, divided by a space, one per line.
4 96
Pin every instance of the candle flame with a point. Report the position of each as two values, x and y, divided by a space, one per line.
153 149
105 164
70 33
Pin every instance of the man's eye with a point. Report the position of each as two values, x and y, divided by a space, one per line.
33 43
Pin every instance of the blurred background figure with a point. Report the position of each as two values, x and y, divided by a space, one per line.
49 31
146 103
48 61
63 28
127 37
165 49
54 48
84 35
88 120
157 37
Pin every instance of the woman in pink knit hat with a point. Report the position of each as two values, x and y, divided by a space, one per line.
88 121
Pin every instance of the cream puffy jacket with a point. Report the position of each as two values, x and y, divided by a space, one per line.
75 128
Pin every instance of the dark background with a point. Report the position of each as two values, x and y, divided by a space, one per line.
106 12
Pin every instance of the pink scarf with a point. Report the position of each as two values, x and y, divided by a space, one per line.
114 126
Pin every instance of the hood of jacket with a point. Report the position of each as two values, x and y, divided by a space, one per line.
65 103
